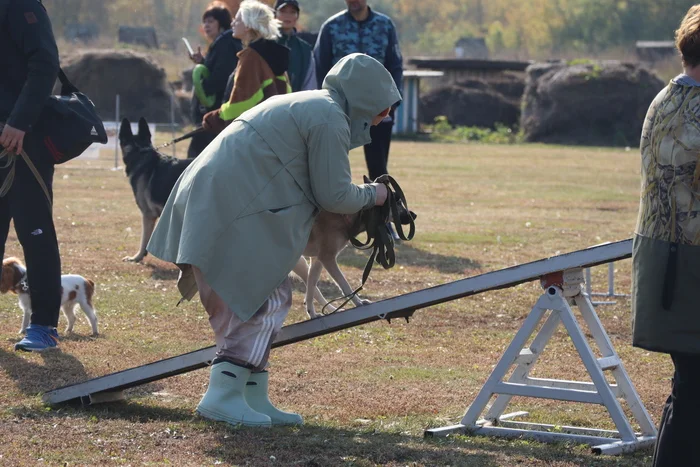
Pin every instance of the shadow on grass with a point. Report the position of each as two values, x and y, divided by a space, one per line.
407 255
77 337
320 445
315 445
58 369
158 272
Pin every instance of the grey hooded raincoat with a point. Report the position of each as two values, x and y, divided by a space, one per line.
242 212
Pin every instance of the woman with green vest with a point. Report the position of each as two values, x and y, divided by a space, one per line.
302 68
666 247
211 73
262 65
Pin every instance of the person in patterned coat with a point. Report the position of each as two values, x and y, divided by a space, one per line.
666 246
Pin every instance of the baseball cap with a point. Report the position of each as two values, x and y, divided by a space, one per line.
280 3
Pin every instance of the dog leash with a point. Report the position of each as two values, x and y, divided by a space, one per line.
10 162
378 238
192 133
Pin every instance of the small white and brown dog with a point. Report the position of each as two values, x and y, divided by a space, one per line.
75 290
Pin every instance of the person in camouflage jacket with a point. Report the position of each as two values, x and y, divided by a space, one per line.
666 246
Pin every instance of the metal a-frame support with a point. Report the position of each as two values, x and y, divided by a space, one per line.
562 291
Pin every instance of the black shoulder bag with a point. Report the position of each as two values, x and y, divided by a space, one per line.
67 126
69 123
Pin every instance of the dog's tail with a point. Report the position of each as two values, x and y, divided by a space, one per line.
89 290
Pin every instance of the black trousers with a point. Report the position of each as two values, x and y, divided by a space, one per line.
26 204
677 444
377 152
198 143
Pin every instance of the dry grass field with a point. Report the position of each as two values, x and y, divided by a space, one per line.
367 393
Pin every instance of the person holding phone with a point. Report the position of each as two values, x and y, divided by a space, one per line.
213 70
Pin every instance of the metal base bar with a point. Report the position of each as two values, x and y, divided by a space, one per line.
576 430
599 444
611 287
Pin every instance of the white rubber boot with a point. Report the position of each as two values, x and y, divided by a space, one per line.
257 398
225 400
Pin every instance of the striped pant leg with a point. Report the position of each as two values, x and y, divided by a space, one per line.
246 343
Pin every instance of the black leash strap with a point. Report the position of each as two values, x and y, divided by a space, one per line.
189 135
670 277
378 237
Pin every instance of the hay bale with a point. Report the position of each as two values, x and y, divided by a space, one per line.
140 82
476 102
592 103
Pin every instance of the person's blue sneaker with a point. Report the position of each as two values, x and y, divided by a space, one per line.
38 338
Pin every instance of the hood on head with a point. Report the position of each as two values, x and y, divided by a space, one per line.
363 88
276 55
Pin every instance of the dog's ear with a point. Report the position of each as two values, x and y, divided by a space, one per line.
89 290
144 132
8 276
366 179
125 134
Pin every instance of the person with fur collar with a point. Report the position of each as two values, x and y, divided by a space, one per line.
262 65
241 214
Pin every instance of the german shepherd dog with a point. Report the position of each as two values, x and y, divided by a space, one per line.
152 176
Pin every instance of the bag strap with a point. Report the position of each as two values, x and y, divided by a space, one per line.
67 88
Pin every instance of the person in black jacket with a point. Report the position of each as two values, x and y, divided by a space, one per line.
29 66
302 69
219 63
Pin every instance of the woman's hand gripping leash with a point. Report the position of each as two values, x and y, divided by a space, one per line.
390 205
